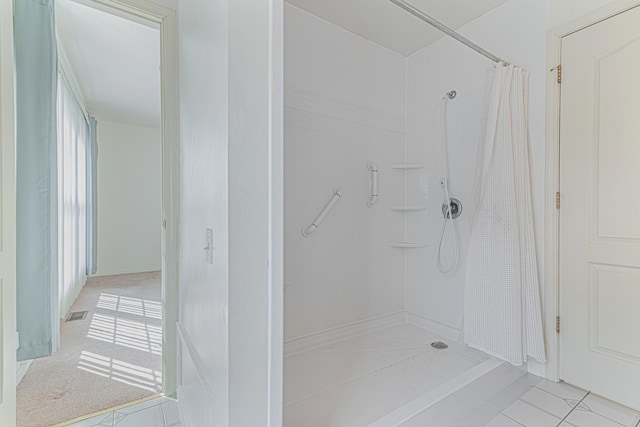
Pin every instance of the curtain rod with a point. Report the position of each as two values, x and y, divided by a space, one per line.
448 31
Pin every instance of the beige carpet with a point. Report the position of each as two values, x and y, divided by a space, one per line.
111 357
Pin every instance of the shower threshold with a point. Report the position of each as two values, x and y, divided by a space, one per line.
380 378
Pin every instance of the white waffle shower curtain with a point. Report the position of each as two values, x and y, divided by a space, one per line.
502 314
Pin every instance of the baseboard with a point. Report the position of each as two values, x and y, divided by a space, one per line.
64 310
102 274
536 368
195 395
441 329
318 339
21 370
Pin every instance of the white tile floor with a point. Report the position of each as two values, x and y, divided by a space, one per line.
527 401
158 412
553 404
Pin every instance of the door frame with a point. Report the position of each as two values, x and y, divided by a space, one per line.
8 334
165 18
552 174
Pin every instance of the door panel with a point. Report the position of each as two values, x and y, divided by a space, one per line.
614 296
616 74
600 214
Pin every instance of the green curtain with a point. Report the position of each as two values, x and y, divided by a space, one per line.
36 178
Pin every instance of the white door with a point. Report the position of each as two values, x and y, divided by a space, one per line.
600 210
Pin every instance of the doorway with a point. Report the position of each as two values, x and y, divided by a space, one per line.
154 332
599 232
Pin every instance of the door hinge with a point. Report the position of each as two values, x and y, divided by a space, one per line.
559 68
558 324
558 200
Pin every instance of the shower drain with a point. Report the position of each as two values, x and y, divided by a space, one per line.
439 345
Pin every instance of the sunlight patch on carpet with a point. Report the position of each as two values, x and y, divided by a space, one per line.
127 333
121 371
140 307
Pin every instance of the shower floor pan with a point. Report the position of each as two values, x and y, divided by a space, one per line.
380 378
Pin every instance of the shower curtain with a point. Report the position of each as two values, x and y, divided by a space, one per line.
502 314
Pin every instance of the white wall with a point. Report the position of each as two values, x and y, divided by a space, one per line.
563 11
255 212
129 198
344 106
231 173
203 389
515 31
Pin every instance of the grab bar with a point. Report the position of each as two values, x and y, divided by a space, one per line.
306 231
373 198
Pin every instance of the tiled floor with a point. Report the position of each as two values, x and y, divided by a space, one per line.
559 404
497 401
158 412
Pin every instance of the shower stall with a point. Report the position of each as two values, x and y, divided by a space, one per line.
383 118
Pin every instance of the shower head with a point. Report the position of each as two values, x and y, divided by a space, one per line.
451 94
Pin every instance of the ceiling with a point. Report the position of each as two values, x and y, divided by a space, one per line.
387 25
116 62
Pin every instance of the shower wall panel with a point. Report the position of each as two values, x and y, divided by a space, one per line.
344 106
515 31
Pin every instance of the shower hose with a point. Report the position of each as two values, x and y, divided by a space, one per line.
444 185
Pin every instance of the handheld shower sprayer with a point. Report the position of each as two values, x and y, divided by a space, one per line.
451 208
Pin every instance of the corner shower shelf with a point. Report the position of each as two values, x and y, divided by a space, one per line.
406 166
407 245
408 208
